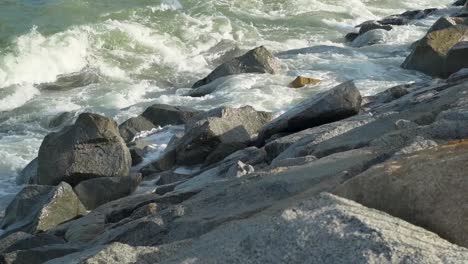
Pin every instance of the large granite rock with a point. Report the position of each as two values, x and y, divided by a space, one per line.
95 192
39 208
130 128
162 115
29 174
91 148
436 54
426 188
324 229
219 127
338 103
258 60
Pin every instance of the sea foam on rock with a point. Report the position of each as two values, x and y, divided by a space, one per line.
91 148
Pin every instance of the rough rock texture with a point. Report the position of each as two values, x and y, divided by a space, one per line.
327 229
29 242
338 103
29 174
431 54
302 81
95 192
371 25
38 255
226 127
130 128
163 115
39 208
91 148
258 60
426 188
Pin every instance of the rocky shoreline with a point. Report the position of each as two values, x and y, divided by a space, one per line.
339 178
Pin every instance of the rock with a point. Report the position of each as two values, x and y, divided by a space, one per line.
65 118
169 177
137 156
290 162
302 81
350 37
436 53
95 192
459 3
454 61
223 151
91 148
130 128
38 255
258 60
231 126
29 242
371 25
338 103
420 188
72 80
372 37
445 22
29 174
162 115
324 229
39 208
11 239
240 169
459 75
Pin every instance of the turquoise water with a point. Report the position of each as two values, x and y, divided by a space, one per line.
150 51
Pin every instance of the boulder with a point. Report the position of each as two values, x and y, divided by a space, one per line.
95 192
130 128
350 37
431 54
372 37
39 208
29 174
371 25
65 118
224 126
38 255
72 80
162 115
29 242
239 169
459 3
11 239
427 188
446 22
91 148
338 103
258 60
302 81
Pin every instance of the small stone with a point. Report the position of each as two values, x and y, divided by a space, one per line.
302 81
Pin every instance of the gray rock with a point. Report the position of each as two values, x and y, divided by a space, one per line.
11 239
130 128
38 255
258 60
95 192
338 103
39 208
233 126
29 174
162 115
420 188
350 37
89 149
289 162
371 37
65 118
29 242
445 22
431 54
371 25
324 229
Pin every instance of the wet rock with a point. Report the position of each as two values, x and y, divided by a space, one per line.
38 255
95 192
229 127
372 37
91 148
29 242
29 174
130 128
11 239
302 81
258 60
338 103
371 25
445 22
459 3
419 188
350 37
65 118
73 80
239 169
223 151
437 53
162 115
39 208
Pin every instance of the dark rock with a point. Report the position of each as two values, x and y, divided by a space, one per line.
137 156
445 22
338 103
233 126
72 80
258 60
350 37
130 128
239 169
430 55
371 25
61 119
223 151
456 58
89 149
459 3
39 208
9 240
39 240
162 115
95 192
29 174
371 37
38 255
